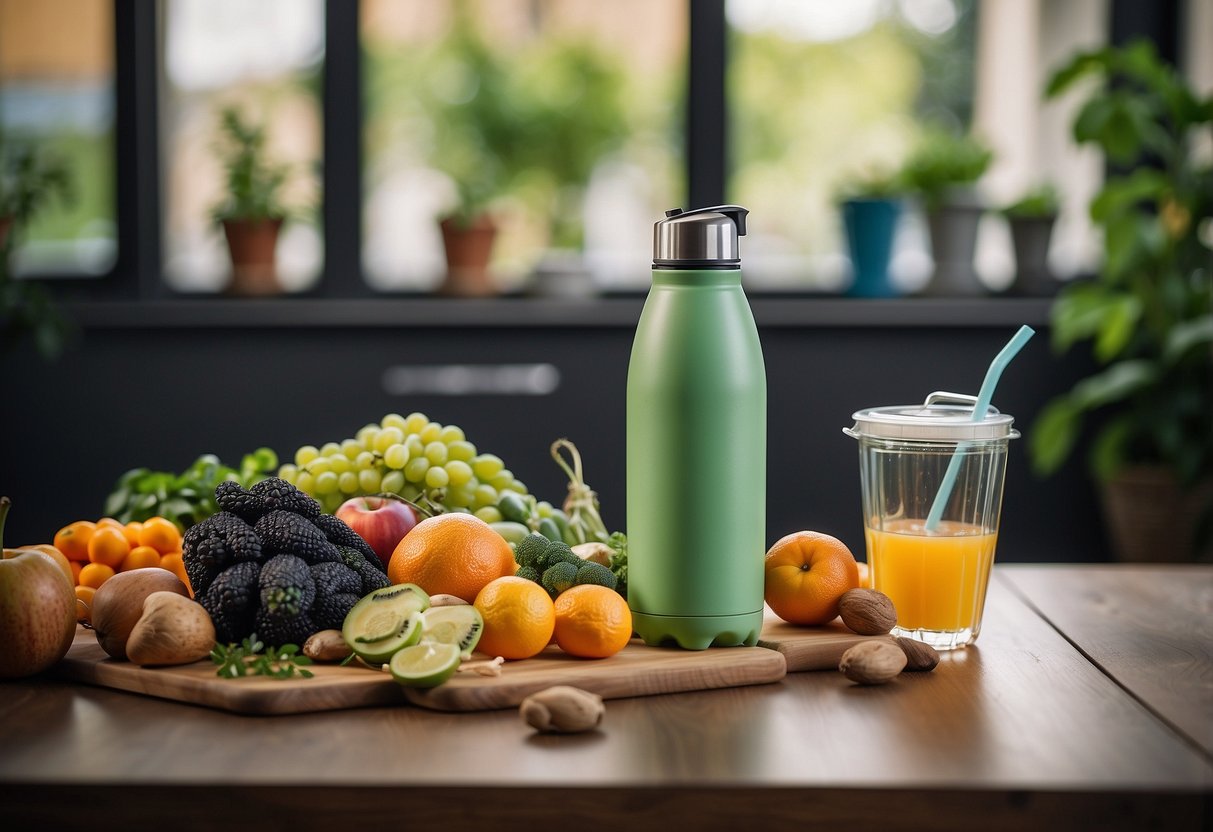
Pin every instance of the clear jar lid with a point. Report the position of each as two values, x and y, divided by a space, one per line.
943 417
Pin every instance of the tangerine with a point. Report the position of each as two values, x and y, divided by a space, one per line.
174 563
806 575
161 534
72 540
865 575
84 603
108 546
140 557
95 574
453 554
131 530
592 622
519 617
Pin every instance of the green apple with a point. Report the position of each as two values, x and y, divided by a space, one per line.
37 611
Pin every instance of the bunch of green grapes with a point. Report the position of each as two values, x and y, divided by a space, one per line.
406 455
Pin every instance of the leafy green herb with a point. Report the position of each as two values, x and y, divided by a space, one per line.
619 561
185 498
253 182
252 658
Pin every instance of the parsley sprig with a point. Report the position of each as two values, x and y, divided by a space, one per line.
252 658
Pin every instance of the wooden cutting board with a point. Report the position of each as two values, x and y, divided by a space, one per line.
810 648
635 671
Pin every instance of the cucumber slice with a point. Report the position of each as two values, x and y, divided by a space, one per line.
425 665
385 621
460 625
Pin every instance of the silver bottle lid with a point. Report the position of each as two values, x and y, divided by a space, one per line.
698 239
943 417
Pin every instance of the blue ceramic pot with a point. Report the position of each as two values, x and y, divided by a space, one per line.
871 224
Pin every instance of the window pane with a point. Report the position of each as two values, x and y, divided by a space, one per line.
57 97
265 59
822 92
564 118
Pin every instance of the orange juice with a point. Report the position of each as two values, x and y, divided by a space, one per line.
937 581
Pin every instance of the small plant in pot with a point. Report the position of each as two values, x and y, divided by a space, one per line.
251 213
871 207
1031 219
1148 314
943 172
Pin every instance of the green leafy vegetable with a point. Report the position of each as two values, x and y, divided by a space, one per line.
252 658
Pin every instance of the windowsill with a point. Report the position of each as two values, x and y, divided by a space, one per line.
770 310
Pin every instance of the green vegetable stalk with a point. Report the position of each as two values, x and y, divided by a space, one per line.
581 506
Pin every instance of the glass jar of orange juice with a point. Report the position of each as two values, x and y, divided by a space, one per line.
935 574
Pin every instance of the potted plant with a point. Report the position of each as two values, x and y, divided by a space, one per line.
871 207
1147 314
250 213
942 172
1031 219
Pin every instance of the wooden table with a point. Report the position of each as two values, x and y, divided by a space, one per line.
1087 705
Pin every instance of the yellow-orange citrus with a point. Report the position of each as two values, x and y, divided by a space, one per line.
455 554
519 618
140 557
108 546
131 530
174 563
84 602
95 574
592 622
806 574
865 575
161 535
72 540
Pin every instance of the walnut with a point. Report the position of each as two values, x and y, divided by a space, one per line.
872 662
867 612
919 656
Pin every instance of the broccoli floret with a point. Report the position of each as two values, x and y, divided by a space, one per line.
530 573
286 586
597 574
336 531
281 531
557 552
558 578
334 579
329 613
278 630
280 495
530 549
215 544
372 577
231 497
232 601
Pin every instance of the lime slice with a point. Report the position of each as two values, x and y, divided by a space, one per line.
378 652
425 665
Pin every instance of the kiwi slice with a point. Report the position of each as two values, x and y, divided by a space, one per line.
460 625
385 621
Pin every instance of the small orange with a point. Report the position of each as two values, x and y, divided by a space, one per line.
519 617
865 575
72 540
455 554
131 530
108 546
84 602
173 563
111 522
95 574
161 535
139 558
76 567
592 622
806 574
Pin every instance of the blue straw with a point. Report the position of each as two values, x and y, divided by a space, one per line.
984 396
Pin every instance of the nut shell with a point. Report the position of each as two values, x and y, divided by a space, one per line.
872 662
867 612
919 656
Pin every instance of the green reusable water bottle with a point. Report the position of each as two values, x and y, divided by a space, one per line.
696 441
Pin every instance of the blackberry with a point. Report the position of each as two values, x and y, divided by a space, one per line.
280 495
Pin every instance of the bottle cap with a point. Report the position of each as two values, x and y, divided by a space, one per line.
704 238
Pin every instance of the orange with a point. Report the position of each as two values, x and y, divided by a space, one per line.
455 554
131 530
95 574
865 575
161 535
806 574
111 522
76 567
592 622
72 540
84 602
108 546
519 617
173 563
140 558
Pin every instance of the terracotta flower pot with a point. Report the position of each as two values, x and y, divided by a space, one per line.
252 244
1151 519
468 250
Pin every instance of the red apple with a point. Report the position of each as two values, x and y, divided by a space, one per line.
37 611
381 521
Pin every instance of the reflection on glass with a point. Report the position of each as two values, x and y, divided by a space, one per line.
264 58
559 119
822 93
57 96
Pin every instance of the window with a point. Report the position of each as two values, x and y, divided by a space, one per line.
562 117
57 98
265 59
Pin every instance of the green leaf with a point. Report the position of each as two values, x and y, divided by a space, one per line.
116 502
1108 449
1187 336
1123 244
1079 312
1053 435
1119 322
1124 194
1082 65
1117 382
